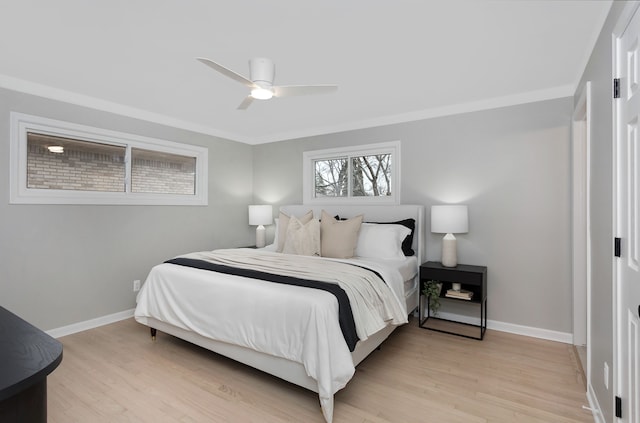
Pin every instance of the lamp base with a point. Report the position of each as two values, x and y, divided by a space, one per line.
261 236
449 251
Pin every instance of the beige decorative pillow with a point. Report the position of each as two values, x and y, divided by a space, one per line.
339 238
302 239
283 224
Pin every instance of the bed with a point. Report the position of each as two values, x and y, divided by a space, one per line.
215 300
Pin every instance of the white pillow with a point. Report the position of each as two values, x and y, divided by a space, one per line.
381 241
283 223
302 238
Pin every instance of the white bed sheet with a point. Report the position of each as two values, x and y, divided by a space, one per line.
295 323
408 266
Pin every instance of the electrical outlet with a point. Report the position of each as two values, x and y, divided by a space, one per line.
136 285
606 375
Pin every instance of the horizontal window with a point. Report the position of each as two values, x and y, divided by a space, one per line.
359 174
55 162
154 171
66 164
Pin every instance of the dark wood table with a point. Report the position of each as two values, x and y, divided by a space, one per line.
27 356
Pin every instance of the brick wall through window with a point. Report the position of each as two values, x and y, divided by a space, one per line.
90 166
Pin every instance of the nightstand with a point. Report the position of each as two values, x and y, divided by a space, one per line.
472 278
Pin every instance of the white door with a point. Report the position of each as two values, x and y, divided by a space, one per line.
627 212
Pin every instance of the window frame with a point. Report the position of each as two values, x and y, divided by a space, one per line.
22 123
308 169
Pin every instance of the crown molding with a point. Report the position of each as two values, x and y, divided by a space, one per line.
53 93
49 92
454 109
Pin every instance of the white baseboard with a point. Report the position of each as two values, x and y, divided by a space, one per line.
550 335
90 324
594 405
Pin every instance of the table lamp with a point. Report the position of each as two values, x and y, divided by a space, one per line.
260 215
449 220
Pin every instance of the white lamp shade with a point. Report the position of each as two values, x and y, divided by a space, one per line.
260 215
450 219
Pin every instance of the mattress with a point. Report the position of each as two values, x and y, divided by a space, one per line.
408 268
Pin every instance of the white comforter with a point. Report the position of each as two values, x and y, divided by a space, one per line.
292 322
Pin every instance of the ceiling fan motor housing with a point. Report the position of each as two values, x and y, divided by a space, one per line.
262 71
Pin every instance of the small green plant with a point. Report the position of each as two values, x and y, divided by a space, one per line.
432 291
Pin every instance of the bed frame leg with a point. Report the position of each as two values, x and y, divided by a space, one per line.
153 334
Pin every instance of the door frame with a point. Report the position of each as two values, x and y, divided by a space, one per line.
581 234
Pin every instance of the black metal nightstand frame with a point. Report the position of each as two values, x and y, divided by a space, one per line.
472 278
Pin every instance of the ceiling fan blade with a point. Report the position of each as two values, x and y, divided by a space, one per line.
227 72
294 90
245 103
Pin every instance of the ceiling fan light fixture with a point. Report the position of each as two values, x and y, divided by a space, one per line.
262 71
261 93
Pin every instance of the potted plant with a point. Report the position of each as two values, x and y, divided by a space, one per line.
432 291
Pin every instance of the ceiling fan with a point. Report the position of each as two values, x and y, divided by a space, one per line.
262 72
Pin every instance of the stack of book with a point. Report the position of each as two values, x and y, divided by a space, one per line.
462 294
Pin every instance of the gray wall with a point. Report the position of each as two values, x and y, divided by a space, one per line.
510 165
63 264
599 72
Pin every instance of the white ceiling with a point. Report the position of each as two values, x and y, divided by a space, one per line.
394 61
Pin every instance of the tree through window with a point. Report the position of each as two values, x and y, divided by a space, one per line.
372 175
331 178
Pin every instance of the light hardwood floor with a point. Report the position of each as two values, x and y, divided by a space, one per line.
115 373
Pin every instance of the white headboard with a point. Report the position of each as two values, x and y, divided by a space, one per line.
373 213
